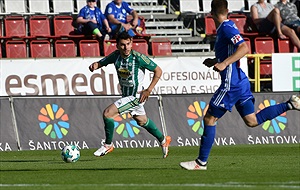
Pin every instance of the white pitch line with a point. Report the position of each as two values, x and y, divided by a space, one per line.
286 185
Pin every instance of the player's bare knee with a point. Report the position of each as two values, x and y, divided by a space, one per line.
106 113
209 120
251 123
141 122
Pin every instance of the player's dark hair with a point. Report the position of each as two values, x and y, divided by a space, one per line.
219 7
123 36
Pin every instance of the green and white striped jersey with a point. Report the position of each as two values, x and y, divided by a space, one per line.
130 70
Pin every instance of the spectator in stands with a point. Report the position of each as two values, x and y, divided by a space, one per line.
116 13
92 20
267 19
289 15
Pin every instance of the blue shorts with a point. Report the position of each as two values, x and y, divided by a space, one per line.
223 100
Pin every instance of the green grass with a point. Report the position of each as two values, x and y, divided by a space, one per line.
230 167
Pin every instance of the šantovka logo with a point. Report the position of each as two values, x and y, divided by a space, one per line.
195 115
126 128
275 125
54 121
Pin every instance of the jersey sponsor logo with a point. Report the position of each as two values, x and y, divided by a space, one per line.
237 38
109 10
120 16
124 73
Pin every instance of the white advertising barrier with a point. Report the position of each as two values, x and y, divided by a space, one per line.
181 75
286 72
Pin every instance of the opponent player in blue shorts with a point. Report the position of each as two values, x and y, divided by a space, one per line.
235 87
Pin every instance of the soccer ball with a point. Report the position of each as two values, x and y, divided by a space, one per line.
70 153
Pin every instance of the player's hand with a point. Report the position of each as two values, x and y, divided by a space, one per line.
108 30
144 95
220 67
210 62
93 66
127 26
134 23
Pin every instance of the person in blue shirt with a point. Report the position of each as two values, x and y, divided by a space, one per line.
235 86
116 13
92 20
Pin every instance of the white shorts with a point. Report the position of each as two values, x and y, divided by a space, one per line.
130 104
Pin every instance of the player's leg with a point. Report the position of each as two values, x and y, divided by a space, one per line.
251 119
142 120
109 113
207 139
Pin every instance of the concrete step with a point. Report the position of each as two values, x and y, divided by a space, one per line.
170 32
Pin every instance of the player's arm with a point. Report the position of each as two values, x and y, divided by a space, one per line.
103 62
241 51
135 18
146 93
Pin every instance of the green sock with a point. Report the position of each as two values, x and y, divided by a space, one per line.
152 129
109 129
96 31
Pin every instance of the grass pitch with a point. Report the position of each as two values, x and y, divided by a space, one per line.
230 167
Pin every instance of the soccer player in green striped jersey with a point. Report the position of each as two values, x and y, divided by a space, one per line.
130 66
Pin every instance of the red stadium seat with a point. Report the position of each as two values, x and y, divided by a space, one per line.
40 48
39 26
210 27
0 52
140 45
89 48
65 48
240 22
248 42
63 26
264 45
14 26
161 47
285 46
109 46
15 49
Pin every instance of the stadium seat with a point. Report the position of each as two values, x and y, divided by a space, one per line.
189 6
264 45
15 49
248 42
236 5
0 51
39 26
206 7
109 46
140 45
40 48
210 27
240 21
15 6
65 48
39 6
63 26
81 4
89 48
285 46
161 47
63 6
14 26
